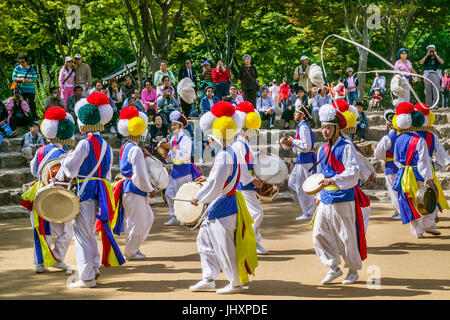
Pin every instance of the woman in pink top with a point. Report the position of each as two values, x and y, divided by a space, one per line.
405 65
67 80
149 97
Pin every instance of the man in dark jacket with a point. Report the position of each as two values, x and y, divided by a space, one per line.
187 72
249 83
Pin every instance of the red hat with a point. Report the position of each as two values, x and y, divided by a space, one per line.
404 108
341 105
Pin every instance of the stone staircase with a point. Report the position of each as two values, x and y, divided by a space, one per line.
14 171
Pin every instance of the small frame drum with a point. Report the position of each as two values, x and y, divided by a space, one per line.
312 184
188 214
163 152
427 197
49 171
270 168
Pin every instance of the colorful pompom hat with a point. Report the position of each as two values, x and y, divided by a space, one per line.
222 123
407 119
133 125
93 112
350 114
58 126
299 107
251 120
430 118
388 115
328 115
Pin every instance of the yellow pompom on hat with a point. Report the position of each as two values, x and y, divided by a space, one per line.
251 119
133 124
222 123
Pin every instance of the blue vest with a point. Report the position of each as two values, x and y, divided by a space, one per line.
249 186
56 154
226 205
126 168
424 134
335 196
89 164
310 156
390 167
401 149
184 169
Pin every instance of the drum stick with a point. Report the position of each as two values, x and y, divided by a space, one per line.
184 200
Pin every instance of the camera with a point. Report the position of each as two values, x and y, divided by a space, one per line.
432 52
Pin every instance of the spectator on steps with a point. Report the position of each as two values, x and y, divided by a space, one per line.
115 93
31 141
445 88
54 100
318 101
362 123
26 76
380 83
128 87
351 86
165 82
67 80
19 113
149 98
208 100
83 76
221 78
265 105
163 71
166 104
72 101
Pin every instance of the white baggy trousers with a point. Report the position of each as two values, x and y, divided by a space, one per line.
215 243
334 235
138 219
298 175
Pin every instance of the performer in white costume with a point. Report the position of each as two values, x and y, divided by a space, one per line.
226 241
184 171
58 126
303 146
135 186
249 183
412 153
384 150
90 163
338 224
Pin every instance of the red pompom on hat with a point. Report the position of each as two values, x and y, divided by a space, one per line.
423 108
245 107
128 112
404 108
222 108
55 113
97 98
341 105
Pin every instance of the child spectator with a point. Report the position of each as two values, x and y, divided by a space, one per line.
31 141
362 123
376 99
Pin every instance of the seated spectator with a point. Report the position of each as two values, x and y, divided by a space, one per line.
318 101
332 92
165 82
265 105
221 77
72 101
376 99
149 98
288 113
301 95
236 98
19 114
98 86
163 71
380 83
5 129
158 131
128 87
166 104
205 78
137 102
115 93
362 123
54 100
31 141
208 100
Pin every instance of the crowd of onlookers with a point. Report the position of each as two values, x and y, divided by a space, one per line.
159 97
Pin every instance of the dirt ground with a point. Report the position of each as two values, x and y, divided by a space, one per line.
409 268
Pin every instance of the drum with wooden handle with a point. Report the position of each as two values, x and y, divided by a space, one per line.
312 184
159 175
163 152
426 200
49 171
272 171
188 214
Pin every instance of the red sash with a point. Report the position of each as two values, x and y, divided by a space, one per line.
409 156
361 201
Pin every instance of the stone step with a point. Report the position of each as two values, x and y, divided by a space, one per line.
15 178
11 160
13 211
10 196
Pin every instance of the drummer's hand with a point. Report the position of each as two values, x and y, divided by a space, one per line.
317 202
428 181
194 202
166 145
200 179
165 157
327 182
146 153
70 151
152 194
257 183
373 147
291 140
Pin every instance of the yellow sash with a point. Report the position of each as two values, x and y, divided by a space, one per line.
178 162
441 197
331 187
409 182
245 240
